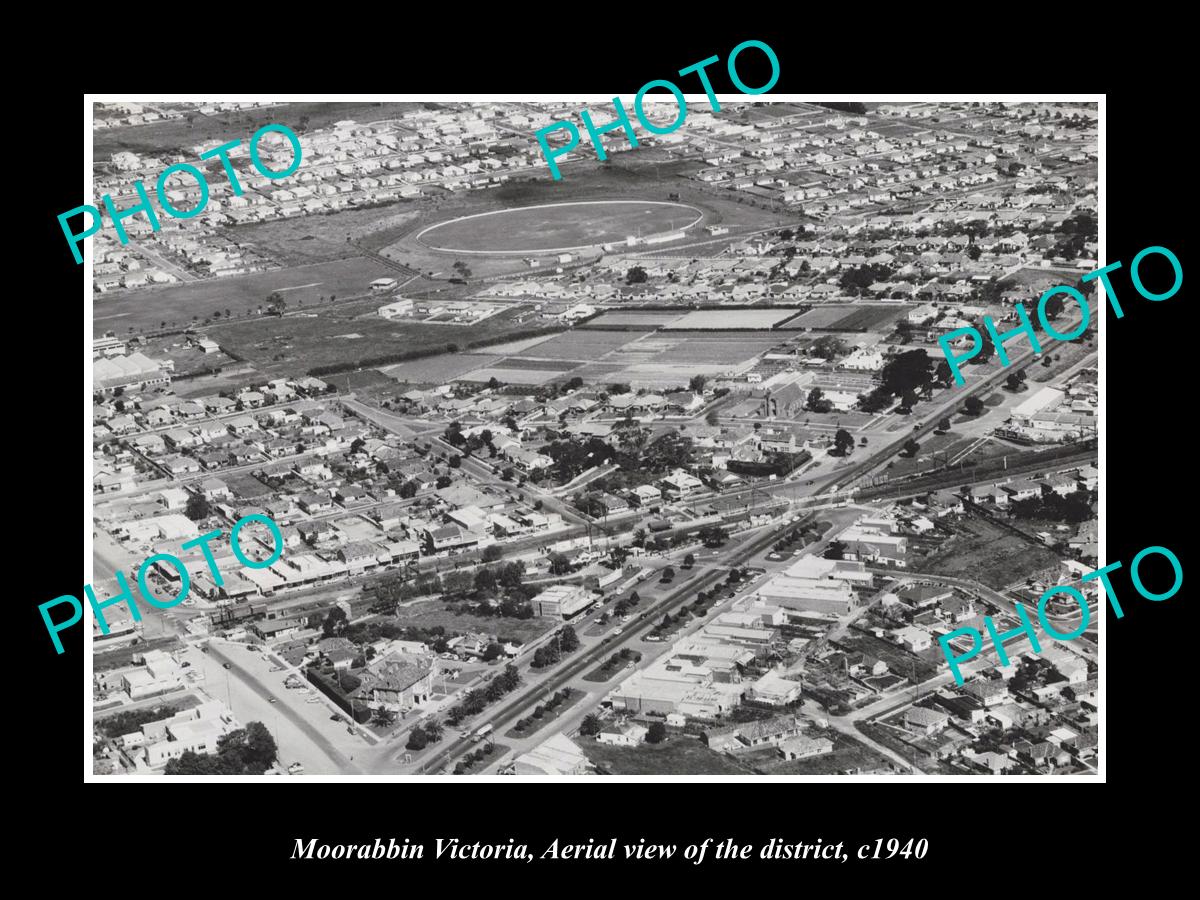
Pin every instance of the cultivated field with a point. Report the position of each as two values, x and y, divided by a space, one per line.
718 319
846 318
438 369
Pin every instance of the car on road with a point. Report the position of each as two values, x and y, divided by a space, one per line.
272 699
313 700
184 664
810 481
336 718
296 769
350 728
227 665
189 602
617 630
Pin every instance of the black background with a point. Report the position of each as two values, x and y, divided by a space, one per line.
994 829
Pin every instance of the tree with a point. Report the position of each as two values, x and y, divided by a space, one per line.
635 275
559 564
657 733
835 550
942 374
816 401
713 535
455 461
944 424
909 370
408 489
1013 381
197 508
689 560
444 481
973 407
335 622
568 640
417 740
974 252
908 401
384 717
911 447
590 724
844 442
492 552
668 574
696 385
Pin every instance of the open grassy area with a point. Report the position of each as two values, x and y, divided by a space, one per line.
676 756
544 227
430 613
986 553
343 334
179 305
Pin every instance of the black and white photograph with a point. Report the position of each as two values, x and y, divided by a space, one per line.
475 438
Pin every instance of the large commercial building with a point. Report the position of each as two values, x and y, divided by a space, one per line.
562 601
135 371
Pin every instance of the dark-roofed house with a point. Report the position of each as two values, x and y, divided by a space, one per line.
397 682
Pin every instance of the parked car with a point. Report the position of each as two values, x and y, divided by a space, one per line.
228 666
296 769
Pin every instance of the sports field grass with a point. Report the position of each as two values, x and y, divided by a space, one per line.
557 226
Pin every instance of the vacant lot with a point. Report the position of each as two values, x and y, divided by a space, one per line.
677 756
182 304
513 375
859 317
719 347
430 613
986 553
295 344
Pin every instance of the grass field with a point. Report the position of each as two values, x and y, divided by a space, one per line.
292 344
427 614
438 369
648 318
986 553
559 226
677 756
181 304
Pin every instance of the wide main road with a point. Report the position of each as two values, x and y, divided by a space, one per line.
509 710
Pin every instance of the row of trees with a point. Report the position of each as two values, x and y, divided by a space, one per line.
423 735
541 710
475 701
